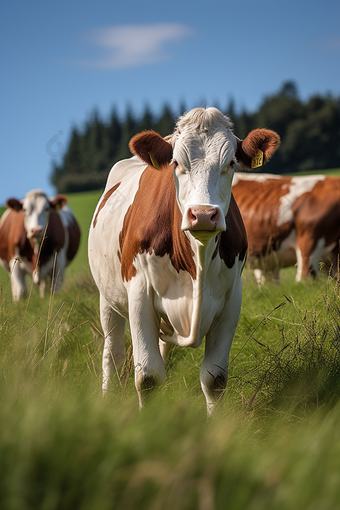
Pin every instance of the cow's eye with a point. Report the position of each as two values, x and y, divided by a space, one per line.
175 164
231 164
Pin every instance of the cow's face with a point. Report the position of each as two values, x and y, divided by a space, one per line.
204 158
36 208
204 152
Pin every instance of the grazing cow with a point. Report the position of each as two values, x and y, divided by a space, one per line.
37 236
167 246
289 220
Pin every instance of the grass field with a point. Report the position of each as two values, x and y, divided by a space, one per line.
274 443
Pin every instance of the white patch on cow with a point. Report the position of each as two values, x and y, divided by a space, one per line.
203 150
297 187
17 268
299 260
36 208
260 277
128 173
244 176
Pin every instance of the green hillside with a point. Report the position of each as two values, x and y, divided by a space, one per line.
274 443
83 205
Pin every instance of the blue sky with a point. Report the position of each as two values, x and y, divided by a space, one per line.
60 60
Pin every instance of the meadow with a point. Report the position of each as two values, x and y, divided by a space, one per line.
274 442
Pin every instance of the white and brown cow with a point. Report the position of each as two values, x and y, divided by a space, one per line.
167 246
289 220
38 236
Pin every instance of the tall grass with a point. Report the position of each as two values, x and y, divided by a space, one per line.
274 442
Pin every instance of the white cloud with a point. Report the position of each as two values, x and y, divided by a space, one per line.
133 45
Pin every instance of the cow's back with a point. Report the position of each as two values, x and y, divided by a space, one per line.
261 203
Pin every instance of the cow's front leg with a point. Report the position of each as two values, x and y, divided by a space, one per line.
114 351
18 283
42 288
144 326
214 370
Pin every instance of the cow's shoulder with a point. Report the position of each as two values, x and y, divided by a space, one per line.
124 170
152 224
320 202
233 242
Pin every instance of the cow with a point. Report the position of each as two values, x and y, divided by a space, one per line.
38 236
289 220
167 246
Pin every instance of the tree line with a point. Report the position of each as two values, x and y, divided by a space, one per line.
309 131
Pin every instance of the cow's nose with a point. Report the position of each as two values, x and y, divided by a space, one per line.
203 218
36 231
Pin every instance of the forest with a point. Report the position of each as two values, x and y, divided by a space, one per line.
309 131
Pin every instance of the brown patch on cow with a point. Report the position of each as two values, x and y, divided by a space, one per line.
103 202
74 240
264 139
53 241
12 235
259 204
152 224
232 242
149 142
316 215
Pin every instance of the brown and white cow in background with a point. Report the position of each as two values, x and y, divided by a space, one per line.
38 236
167 246
289 220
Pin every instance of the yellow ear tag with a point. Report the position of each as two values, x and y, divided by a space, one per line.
153 160
57 208
257 159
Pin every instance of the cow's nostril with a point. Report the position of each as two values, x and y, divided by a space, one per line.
192 216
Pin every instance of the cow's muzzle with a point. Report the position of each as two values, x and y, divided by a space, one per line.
36 233
203 218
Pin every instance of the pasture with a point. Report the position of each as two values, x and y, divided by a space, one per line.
274 442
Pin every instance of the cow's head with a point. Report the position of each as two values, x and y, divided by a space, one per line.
205 153
36 208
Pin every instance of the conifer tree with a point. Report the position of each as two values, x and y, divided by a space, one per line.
165 124
129 128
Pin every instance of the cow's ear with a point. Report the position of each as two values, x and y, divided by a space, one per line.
151 148
14 203
257 148
58 202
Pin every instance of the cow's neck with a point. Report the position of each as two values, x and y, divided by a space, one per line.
203 253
